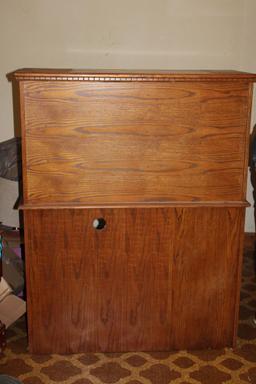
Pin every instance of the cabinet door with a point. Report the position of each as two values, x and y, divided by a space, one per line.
151 279
100 143
206 269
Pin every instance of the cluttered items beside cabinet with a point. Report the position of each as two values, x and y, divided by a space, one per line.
134 189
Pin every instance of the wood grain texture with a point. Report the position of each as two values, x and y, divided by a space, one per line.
205 281
162 157
152 279
136 142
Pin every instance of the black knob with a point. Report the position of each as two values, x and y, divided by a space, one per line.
99 223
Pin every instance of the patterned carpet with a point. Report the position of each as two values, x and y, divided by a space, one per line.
206 367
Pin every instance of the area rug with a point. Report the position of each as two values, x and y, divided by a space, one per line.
204 366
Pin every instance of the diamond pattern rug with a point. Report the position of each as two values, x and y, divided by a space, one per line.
204 366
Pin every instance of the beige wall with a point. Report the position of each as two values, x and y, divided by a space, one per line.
171 34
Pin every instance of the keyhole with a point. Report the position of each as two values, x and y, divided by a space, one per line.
99 223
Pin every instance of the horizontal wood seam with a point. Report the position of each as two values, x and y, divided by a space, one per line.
179 204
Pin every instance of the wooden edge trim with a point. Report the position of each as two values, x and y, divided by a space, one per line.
40 74
23 140
180 204
107 78
238 281
28 288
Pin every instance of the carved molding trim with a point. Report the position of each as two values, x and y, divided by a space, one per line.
107 78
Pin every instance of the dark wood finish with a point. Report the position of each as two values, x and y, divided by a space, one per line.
207 265
163 157
134 142
150 280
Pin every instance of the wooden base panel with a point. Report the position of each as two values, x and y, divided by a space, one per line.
151 279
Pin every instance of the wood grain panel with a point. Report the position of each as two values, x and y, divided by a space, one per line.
206 277
134 142
152 279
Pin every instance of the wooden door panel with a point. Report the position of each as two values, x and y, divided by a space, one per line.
134 142
145 282
206 277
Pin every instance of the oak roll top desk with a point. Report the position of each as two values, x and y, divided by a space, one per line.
134 190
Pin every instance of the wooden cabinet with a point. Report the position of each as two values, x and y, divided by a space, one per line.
134 200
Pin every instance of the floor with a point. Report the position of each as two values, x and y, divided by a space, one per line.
206 367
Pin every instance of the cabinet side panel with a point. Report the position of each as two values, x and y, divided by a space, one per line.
135 142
